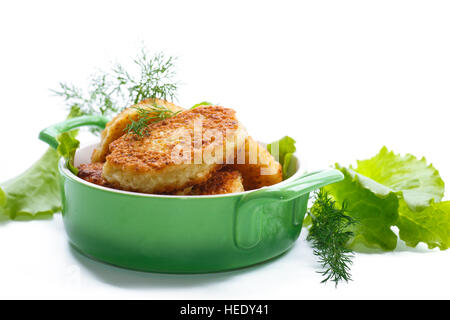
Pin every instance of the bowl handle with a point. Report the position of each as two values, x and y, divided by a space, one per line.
249 211
50 134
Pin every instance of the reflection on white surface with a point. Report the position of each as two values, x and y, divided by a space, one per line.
45 265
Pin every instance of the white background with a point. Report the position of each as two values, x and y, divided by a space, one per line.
342 77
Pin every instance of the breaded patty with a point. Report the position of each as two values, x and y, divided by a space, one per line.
224 181
116 127
177 152
260 168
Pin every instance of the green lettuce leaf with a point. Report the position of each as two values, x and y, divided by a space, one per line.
419 187
2 198
67 147
283 150
372 205
204 103
430 225
35 192
419 183
401 186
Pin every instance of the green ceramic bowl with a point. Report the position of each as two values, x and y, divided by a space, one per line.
181 234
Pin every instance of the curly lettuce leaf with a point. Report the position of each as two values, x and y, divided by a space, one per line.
35 192
283 150
417 187
420 188
419 183
67 147
372 205
430 225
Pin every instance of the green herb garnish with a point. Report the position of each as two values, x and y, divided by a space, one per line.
153 113
155 80
100 98
329 234
110 92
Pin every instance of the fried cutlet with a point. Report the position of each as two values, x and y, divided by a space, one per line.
176 153
260 168
116 127
224 181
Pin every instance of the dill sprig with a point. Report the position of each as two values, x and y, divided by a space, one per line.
153 113
155 80
110 92
98 99
329 234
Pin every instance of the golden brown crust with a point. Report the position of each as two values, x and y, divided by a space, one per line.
166 158
116 127
260 168
92 172
224 181
154 151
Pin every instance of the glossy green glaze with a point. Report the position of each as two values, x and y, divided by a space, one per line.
186 234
